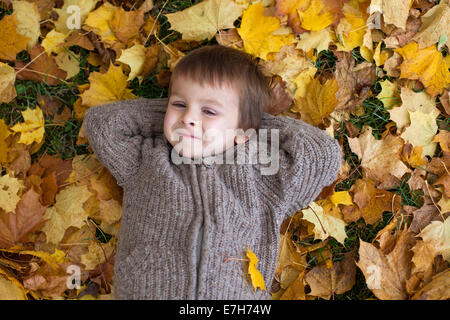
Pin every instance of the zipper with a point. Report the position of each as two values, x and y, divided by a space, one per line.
199 242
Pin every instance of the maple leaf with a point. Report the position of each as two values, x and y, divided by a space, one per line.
379 158
316 16
411 102
421 131
135 58
66 212
11 41
106 87
340 278
126 24
435 23
394 11
316 39
319 101
42 67
99 22
32 129
205 19
256 32
8 191
437 234
426 65
436 289
386 274
28 19
325 223
351 29
27 217
370 202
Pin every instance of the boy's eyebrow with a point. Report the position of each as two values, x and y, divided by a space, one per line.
202 99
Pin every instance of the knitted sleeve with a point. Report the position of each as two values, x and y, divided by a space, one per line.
309 160
116 131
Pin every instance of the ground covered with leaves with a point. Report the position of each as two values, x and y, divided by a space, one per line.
373 73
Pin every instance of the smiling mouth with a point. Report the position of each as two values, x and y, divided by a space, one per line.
188 136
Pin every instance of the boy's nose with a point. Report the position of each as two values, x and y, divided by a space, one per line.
189 120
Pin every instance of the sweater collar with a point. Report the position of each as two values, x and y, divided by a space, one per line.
228 156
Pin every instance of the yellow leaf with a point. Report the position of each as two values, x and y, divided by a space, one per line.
97 254
66 212
256 32
325 225
11 290
9 186
51 41
316 39
106 87
32 129
51 259
388 94
135 58
316 17
28 17
437 234
203 20
341 197
4 133
351 29
303 80
379 57
412 101
99 21
421 131
319 101
255 275
11 42
68 63
426 65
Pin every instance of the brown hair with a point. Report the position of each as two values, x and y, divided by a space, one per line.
217 64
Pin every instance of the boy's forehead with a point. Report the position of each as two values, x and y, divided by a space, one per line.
185 81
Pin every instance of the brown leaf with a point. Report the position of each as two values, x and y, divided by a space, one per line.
386 275
338 279
437 289
42 69
353 83
28 217
281 98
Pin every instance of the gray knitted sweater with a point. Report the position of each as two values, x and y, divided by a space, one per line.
180 222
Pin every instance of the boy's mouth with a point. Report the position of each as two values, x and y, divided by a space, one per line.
188 136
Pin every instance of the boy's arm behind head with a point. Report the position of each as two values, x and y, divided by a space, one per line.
309 160
116 131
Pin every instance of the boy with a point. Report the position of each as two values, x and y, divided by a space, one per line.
183 219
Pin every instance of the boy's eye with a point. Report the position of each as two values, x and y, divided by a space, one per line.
210 113
206 111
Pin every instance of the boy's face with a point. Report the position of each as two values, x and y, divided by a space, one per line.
207 113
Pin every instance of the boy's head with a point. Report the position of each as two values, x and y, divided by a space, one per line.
213 92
